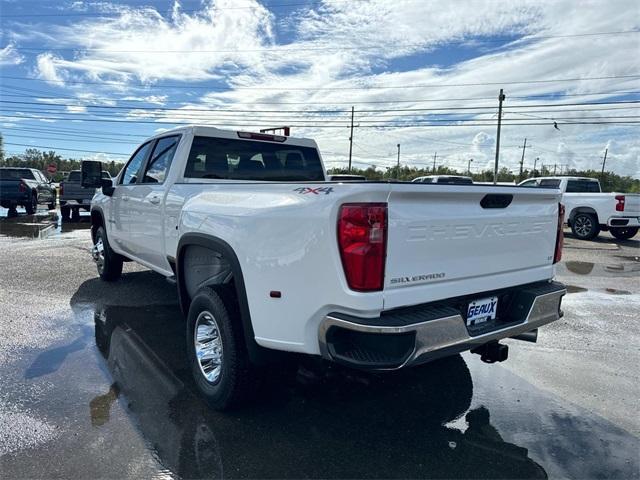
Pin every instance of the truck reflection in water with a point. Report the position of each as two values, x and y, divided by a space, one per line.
319 422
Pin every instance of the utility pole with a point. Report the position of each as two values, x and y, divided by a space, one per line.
524 148
604 161
351 140
398 166
534 165
501 98
554 168
435 155
469 166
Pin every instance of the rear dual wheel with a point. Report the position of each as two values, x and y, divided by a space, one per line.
32 206
218 356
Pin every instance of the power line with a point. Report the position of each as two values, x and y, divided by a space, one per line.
324 112
49 94
368 87
65 149
286 48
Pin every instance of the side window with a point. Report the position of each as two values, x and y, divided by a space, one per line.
130 174
582 186
530 183
160 160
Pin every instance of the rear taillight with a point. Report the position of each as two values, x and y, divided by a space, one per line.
22 187
362 239
559 235
61 188
620 205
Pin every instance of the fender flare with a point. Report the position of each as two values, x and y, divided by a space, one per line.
256 353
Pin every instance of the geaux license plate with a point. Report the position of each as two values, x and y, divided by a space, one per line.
480 311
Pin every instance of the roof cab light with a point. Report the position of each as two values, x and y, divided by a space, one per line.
620 205
557 256
262 136
362 239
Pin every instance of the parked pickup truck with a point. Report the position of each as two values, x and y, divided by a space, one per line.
268 256
73 196
25 187
590 211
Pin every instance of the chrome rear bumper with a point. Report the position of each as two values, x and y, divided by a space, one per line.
392 341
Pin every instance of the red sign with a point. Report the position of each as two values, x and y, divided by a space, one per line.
52 168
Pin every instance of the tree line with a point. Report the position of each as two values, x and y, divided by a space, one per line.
611 182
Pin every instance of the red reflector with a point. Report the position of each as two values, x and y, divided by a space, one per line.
560 235
262 136
362 239
620 204
275 294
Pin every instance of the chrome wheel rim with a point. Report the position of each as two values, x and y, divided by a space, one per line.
97 252
208 346
583 226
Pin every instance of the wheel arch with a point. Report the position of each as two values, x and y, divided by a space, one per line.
578 210
218 246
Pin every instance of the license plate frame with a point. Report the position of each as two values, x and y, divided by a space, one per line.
482 310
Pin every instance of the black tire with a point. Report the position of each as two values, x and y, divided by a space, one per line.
65 213
32 207
109 263
585 226
236 377
75 214
52 205
624 233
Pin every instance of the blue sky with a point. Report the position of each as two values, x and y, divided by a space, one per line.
96 78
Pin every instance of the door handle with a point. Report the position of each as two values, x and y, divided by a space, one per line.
155 200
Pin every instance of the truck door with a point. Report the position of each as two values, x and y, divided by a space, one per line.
122 215
147 204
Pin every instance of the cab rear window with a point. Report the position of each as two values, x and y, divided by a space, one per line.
222 158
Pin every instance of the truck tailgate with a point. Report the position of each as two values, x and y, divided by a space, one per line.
446 241
631 204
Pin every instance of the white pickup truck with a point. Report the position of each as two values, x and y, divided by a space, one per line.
268 256
590 211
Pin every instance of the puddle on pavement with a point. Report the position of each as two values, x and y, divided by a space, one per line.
41 225
326 421
590 268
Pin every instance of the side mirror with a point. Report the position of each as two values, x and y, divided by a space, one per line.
107 187
91 174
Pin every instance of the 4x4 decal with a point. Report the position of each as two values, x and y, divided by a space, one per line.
315 191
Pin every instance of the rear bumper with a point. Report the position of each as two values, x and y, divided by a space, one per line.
623 222
422 333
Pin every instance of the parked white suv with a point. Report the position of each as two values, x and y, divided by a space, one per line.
268 256
590 211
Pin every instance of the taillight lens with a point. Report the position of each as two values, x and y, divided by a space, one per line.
362 239
61 188
22 187
560 234
620 205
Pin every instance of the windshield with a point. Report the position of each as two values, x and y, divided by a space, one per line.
74 176
16 174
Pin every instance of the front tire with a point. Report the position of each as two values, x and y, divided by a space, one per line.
109 263
624 233
32 207
585 226
218 356
52 205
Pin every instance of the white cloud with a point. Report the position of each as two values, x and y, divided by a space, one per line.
9 56
46 68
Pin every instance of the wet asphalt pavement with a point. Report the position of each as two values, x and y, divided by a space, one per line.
94 384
